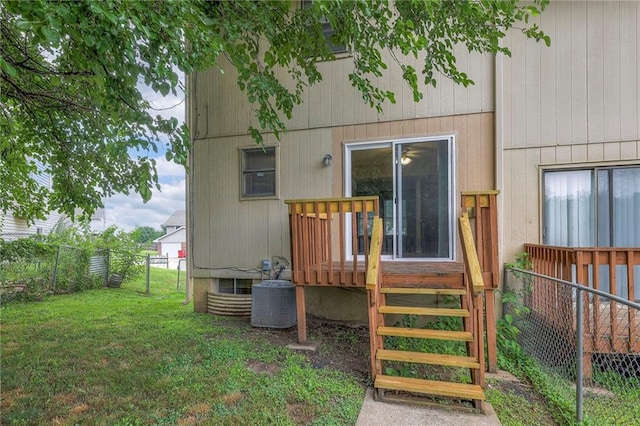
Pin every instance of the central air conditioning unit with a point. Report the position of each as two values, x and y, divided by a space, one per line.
273 304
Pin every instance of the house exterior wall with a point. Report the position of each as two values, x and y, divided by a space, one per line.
230 236
12 227
575 103
170 249
219 108
172 242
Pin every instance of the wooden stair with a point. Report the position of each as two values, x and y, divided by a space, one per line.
463 302
382 382
430 387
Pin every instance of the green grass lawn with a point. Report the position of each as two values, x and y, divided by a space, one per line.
121 357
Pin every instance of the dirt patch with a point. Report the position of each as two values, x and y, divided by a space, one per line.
261 367
342 346
300 413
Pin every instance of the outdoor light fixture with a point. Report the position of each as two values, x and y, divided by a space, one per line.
405 160
326 160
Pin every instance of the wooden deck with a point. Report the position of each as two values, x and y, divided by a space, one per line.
328 248
609 326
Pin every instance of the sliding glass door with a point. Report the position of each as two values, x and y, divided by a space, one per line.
596 207
414 180
592 207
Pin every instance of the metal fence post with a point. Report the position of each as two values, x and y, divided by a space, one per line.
148 273
178 282
108 266
55 269
579 356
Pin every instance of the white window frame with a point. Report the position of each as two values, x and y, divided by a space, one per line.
451 199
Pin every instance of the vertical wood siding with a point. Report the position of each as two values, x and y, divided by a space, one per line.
233 233
221 109
582 89
229 233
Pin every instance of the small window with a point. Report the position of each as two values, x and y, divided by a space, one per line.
327 31
234 286
259 172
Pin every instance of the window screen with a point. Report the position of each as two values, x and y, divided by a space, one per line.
259 172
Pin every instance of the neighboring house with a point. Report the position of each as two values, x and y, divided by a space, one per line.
173 244
12 226
176 220
98 220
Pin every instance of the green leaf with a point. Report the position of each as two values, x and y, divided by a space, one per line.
89 40
8 68
90 58
52 36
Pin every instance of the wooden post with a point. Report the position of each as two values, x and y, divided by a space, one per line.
373 279
492 343
301 313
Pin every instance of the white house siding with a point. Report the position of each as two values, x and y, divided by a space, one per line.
172 242
170 249
576 103
12 227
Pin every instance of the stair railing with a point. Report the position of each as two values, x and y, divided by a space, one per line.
373 280
482 207
475 288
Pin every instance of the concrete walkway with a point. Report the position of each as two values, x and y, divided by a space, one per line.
378 413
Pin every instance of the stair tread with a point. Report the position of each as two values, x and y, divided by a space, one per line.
424 290
412 310
430 387
422 333
428 358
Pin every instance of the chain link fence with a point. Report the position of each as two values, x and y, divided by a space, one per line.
31 270
586 342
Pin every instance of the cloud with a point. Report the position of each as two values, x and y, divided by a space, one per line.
165 106
168 171
128 211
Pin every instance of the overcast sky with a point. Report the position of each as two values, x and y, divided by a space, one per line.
127 212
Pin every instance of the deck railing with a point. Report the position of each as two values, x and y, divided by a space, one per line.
609 327
319 229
